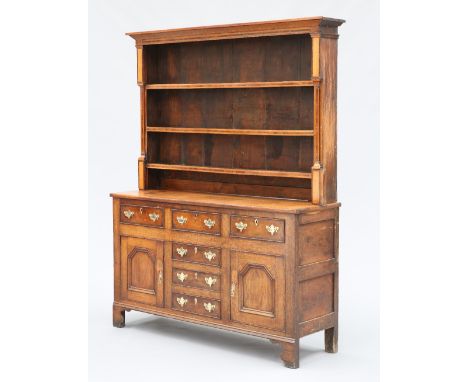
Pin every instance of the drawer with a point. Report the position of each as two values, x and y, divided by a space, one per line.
205 222
196 254
151 216
257 228
196 305
194 279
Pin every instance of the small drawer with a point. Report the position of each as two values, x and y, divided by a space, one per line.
196 254
196 305
151 216
257 228
205 222
194 279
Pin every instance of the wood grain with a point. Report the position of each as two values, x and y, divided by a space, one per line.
317 25
232 85
328 105
202 130
234 171
223 201
262 59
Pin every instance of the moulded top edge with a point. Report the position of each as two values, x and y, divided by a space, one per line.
255 203
236 30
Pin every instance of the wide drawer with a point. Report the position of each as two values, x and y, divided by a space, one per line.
196 305
194 279
196 254
205 222
257 228
151 216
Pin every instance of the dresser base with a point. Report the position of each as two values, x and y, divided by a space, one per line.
262 267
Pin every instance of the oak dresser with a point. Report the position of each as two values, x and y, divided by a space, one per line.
235 223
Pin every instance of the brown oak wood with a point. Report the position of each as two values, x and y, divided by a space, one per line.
231 85
202 130
331 340
257 227
143 215
235 223
196 305
193 253
316 324
316 25
235 171
328 104
251 273
263 59
220 201
142 271
118 316
290 354
254 186
196 279
200 221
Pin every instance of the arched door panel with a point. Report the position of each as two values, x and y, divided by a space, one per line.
257 294
141 270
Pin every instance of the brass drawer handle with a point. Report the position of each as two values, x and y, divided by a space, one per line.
233 289
209 307
181 219
182 251
210 281
272 229
181 301
128 214
241 226
209 223
160 279
182 276
209 255
153 216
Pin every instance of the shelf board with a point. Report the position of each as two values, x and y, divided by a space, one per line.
202 130
231 85
232 171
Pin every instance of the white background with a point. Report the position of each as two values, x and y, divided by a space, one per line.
43 229
178 350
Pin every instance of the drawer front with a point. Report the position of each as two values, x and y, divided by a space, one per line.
204 222
194 279
257 228
196 254
196 305
151 216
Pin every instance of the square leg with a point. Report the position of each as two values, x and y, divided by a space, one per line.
331 340
290 354
118 316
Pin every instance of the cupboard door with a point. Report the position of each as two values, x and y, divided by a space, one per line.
142 270
258 290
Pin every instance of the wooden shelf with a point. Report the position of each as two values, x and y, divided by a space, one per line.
201 130
232 171
231 85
